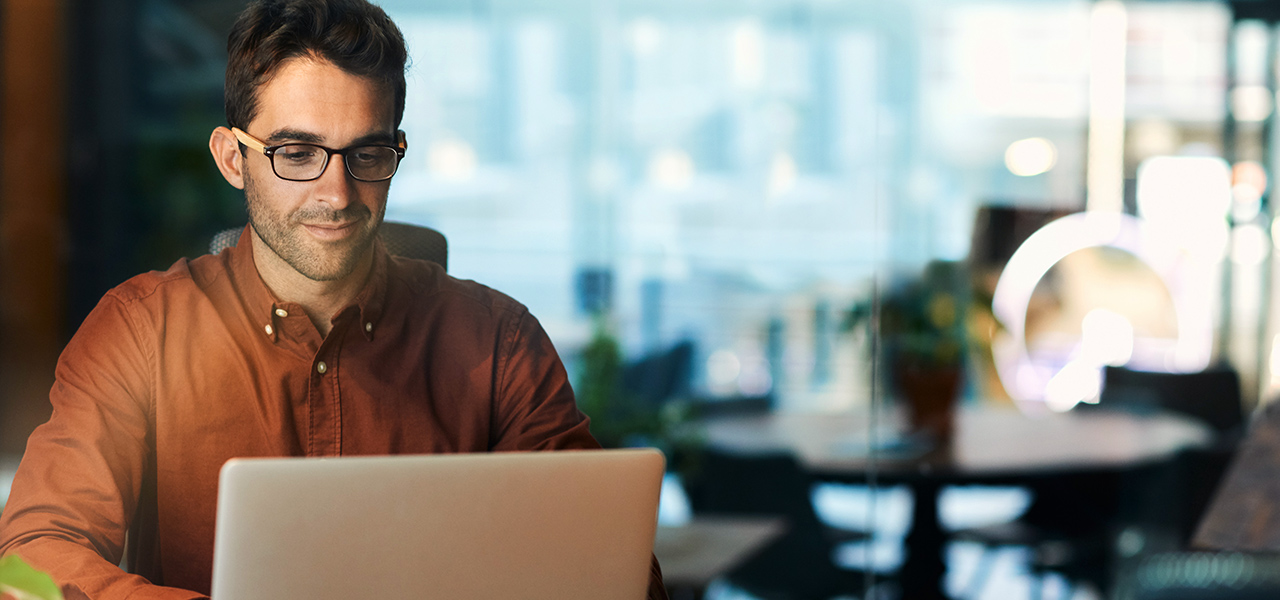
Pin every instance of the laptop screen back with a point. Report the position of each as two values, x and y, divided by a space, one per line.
540 525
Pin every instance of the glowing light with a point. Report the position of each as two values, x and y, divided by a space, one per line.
1106 338
1248 182
1077 382
1026 380
1246 202
754 378
451 160
1251 173
1249 245
723 369
646 36
1031 156
671 169
1153 137
1187 198
1251 103
748 55
1108 39
1275 233
782 175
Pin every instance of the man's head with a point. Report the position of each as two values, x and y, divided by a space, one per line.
323 72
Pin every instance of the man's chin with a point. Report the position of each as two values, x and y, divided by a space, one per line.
331 261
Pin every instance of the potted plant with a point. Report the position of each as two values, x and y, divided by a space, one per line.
925 326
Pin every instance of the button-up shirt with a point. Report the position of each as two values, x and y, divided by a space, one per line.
173 373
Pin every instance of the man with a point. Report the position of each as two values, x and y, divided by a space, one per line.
307 338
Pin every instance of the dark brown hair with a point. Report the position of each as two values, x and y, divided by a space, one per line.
354 35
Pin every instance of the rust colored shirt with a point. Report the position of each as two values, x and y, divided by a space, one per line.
173 373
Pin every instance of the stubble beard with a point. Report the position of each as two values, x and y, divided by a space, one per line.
315 260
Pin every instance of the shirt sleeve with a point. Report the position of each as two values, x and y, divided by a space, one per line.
78 485
534 407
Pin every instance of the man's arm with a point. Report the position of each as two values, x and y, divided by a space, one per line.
534 407
77 487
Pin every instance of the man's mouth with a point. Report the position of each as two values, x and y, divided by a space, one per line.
331 231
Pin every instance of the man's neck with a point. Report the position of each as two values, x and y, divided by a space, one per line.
321 300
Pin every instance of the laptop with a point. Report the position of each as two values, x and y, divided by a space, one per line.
567 525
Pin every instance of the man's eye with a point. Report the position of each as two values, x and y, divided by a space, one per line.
367 155
298 153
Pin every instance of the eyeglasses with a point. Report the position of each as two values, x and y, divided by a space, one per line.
306 162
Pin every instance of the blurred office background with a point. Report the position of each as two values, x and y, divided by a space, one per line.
720 178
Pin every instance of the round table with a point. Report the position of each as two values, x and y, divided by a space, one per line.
991 446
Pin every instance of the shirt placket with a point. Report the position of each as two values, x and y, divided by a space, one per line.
289 325
323 398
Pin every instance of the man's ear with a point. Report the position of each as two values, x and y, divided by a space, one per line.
226 154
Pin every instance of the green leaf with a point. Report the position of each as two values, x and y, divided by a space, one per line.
20 580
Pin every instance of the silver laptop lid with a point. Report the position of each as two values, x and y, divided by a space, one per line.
539 525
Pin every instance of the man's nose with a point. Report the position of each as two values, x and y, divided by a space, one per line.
335 186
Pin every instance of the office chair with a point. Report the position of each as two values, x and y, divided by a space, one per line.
1180 491
1167 498
401 239
657 378
798 565
1212 395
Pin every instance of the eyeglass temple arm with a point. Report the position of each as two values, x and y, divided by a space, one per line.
249 140
401 140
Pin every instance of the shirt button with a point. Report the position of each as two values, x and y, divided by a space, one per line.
282 313
368 326
321 367
269 329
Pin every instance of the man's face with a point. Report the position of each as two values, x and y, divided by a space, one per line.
320 228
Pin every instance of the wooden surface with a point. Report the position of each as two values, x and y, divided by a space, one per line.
1245 512
707 547
990 442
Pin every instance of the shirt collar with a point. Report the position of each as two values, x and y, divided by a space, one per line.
261 304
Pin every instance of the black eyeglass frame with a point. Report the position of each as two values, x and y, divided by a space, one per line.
269 151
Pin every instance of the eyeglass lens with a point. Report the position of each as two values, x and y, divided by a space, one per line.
305 161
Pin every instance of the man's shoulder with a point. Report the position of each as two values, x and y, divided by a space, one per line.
183 276
428 285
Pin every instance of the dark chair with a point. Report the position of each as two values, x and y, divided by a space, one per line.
799 564
1212 395
1178 493
1071 521
401 239
657 378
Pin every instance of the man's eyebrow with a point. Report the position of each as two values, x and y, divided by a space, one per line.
294 135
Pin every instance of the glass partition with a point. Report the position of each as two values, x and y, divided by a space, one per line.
877 243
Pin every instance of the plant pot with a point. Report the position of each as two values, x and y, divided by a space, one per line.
930 395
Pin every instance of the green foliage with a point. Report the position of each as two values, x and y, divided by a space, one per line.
619 419
924 321
21 581
616 417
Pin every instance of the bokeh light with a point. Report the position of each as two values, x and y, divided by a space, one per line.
1031 156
